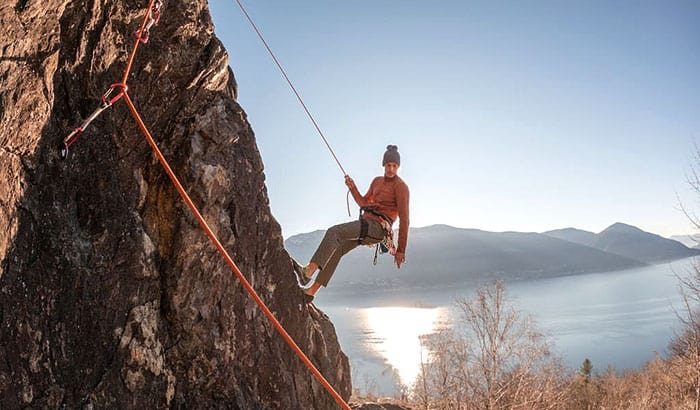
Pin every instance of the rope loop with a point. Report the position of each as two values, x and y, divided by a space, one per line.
106 102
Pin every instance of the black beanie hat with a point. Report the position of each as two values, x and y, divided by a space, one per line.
391 155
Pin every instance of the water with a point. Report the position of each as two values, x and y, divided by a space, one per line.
622 318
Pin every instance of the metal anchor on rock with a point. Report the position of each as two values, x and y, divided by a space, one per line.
106 103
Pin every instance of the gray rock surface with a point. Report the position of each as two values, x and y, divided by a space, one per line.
110 294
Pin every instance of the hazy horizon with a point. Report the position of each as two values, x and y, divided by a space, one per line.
508 230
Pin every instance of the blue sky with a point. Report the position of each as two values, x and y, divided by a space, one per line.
523 116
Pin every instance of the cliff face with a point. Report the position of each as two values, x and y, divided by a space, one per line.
110 294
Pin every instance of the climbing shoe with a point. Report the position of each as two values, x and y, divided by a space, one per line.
302 274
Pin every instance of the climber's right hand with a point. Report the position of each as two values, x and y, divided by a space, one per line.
349 182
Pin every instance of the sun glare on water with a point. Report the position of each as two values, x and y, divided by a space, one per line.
396 336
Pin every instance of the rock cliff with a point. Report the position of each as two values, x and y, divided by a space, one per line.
110 294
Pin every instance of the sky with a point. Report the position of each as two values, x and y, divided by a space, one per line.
509 115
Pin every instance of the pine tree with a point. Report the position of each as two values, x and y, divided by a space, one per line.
586 369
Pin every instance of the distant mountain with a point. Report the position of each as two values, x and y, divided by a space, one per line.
691 241
632 242
442 255
628 241
573 235
301 247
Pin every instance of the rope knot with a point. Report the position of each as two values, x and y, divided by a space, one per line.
106 102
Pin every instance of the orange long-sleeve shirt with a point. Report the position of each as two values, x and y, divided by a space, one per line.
390 197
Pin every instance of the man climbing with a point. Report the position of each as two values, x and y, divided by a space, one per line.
386 199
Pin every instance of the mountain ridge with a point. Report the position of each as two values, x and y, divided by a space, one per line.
573 235
443 255
629 241
632 242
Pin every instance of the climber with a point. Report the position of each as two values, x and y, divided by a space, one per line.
386 199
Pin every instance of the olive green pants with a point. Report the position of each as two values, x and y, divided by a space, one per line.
339 240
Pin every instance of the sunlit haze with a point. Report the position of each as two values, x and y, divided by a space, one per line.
524 116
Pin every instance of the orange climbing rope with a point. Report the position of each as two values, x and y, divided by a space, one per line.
149 20
287 338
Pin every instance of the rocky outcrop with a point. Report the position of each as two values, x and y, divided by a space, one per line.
110 295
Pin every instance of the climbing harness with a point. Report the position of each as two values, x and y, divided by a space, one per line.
364 227
150 19
386 244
